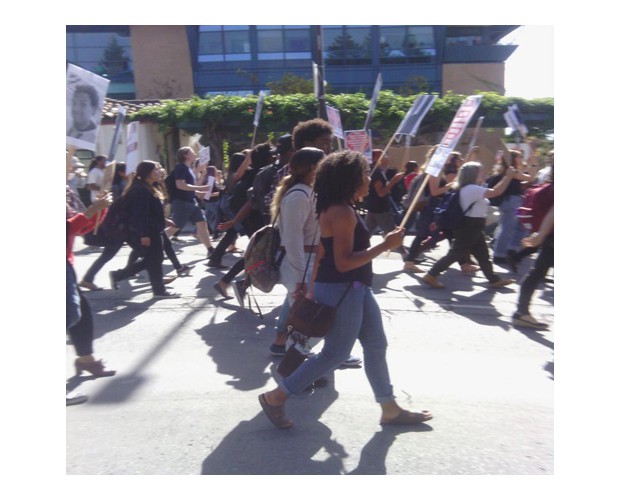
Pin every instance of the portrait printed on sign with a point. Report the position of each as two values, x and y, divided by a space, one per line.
86 93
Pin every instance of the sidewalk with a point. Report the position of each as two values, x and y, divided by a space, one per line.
189 371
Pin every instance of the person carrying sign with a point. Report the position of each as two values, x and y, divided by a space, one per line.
379 202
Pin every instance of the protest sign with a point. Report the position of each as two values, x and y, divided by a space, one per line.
86 93
333 117
132 147
412 120
204 155
359 140
120 119
373 100
451 138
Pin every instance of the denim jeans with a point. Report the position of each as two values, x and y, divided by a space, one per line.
543 263
73 297
212 214
357 317
509 232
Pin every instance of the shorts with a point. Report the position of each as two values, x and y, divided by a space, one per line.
186 211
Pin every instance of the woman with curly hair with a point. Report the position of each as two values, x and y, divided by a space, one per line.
345 272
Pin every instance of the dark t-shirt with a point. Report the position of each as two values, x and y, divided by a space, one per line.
183 172
327 272
375 203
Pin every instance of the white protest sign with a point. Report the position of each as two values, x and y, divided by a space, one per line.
210 183
132 147
455 131
333 117
120 119
204 155
259 108
359 140
86 93
373 101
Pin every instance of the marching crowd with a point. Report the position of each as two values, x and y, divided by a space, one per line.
327 207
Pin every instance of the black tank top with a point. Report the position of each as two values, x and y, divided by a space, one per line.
328 273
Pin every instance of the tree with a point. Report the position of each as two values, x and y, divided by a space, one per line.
291 84
114 59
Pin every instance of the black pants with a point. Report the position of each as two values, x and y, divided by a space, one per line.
152 258
468 239
169 251
228 239
109 251
539 270
81 334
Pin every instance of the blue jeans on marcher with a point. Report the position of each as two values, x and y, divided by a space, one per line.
509 233
357 317
73 297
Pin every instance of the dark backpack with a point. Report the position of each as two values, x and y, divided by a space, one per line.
171 186
115 226
449 214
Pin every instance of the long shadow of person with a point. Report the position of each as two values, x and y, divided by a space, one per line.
374 453
255 447
239 349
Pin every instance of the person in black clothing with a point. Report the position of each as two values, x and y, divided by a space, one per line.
379 203
184 204
147 222
250 218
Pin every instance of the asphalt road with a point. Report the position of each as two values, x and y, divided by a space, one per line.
189 371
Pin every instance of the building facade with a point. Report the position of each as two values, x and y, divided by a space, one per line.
159 62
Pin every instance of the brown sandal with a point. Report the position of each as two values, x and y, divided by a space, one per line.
275 414
406 417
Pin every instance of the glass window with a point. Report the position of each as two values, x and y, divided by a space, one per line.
270 41
402 44
463 35
105 53
237 42
347 44
215 27
222 43
211 43
297 40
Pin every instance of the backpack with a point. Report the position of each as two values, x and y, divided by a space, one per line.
171 186
115 225
262 256
449 214
536 203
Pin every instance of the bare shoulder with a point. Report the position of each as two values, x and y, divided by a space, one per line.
337 218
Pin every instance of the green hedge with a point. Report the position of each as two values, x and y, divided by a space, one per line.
230 119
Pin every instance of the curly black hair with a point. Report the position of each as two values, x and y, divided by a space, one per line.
308 131
338 178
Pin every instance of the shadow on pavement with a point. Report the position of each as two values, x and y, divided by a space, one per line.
256 447
374 453
238 349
